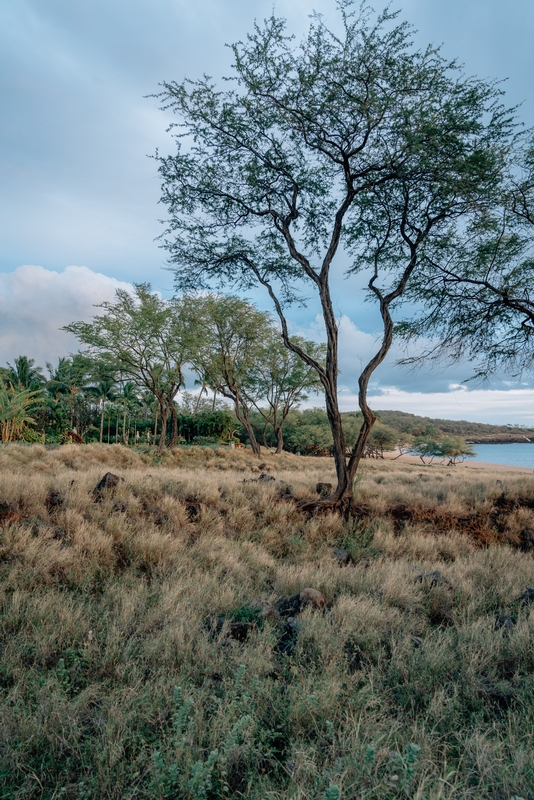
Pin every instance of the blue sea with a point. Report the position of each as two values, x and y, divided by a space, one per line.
516 455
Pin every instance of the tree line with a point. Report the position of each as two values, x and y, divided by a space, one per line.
87 399
133 365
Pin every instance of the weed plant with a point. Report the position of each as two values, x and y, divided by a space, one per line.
416 681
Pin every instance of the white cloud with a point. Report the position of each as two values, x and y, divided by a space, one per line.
36 302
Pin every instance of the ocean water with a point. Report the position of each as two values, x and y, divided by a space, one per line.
516 455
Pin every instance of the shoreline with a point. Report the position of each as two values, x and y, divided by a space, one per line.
485 466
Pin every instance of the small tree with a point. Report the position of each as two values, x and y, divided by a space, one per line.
280 380
145 338
455 451
228 337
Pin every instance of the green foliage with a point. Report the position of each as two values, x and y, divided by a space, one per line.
453 450
15 406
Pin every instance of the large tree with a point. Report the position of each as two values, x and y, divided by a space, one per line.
278 179
144 338
476 290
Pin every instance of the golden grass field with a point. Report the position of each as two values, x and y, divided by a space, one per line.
120 678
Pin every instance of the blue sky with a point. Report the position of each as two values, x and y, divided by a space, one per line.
78 190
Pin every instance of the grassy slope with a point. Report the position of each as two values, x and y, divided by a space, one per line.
114 683
412 423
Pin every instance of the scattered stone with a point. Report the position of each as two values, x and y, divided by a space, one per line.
416 641
192 510
109 481
342 556
501 693
286 492
291 606
526 540
433 579
324 489
528 596
54 500
440 608
312 597
263 467
238 631
9 513
504 623
287 642
263 478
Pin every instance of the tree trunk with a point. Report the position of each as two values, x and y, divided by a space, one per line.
243 418
174 426
101 424
156 425
279 439
163 434
199 398
124 431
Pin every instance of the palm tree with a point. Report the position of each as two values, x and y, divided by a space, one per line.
104 391
24 374
68 379
130 401
204 382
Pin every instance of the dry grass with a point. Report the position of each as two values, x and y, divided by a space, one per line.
116 683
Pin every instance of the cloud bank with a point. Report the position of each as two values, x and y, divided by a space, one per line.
36 302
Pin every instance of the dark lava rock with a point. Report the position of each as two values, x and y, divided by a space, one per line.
433 579
264 478
323 489
109 481
8 513
238 631
526 540
342 556
504 623
528 596
416 641
287 642
291 606
501 693
192 510
53 501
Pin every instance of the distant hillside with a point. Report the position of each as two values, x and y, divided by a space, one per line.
476 432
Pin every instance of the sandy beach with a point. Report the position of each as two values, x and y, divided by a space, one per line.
467 464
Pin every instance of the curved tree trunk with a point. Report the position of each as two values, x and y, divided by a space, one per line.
244 420
163 434
279 440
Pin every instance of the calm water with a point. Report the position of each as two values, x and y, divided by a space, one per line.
517 455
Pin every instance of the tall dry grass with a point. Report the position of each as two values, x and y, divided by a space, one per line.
118 680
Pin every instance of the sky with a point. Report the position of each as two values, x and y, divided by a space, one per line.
79 212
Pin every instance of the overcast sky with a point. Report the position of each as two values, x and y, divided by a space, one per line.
79 195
